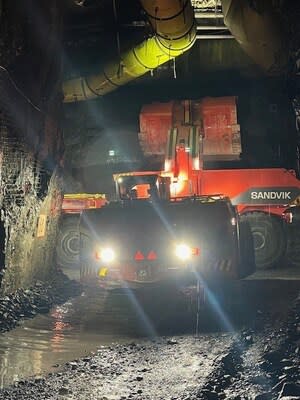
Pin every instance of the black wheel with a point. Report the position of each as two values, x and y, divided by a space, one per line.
293 248
246 245
84 271
88 271
88 274
67 245
269 239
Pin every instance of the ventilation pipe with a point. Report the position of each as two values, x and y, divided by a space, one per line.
174 29
258 32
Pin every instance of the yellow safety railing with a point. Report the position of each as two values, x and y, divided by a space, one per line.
82 196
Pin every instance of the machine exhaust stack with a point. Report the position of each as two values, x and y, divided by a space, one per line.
175 32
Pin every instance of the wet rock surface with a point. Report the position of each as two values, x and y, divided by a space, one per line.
257 361
27 303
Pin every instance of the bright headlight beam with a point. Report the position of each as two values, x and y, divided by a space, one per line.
183 251
107 254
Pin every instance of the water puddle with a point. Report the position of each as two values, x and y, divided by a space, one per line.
70 331
84 324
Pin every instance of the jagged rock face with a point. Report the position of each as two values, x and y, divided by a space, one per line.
30 140
30 199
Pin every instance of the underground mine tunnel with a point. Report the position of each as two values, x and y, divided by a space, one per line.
150 199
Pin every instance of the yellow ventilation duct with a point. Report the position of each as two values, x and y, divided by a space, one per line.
175 32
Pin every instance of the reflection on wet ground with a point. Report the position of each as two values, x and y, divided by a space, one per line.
78 328
82 325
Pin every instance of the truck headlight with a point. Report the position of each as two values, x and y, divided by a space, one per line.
106 254
183 251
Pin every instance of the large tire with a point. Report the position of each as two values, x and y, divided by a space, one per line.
293 248
87 272
67 245
269 239
246 246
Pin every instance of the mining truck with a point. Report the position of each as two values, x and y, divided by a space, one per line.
188 137
145 237
192 138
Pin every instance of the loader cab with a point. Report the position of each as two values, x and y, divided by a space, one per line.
142 186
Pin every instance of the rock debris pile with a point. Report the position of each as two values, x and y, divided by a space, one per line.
283 363
260 365
26 303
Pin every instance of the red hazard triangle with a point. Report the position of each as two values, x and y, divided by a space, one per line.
152 255
139 256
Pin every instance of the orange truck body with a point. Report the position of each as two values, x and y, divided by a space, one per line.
214 120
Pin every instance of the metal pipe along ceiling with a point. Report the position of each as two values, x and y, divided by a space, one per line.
258 33
175 32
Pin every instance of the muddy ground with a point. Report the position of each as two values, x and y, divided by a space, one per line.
247 348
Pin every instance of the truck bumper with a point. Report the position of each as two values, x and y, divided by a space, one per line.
143 274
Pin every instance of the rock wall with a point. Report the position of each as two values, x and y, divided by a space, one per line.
30 200
31 145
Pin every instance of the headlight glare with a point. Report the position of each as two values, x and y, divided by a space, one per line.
183 251
107 254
